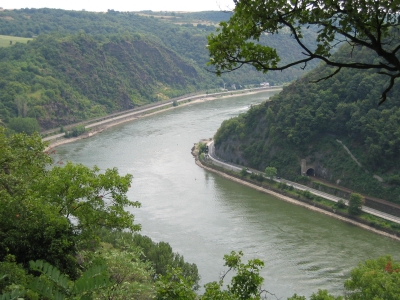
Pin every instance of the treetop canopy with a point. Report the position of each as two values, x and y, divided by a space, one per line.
361 23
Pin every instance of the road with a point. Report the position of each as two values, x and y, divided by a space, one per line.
138 111
237 168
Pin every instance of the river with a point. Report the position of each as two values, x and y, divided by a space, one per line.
204 216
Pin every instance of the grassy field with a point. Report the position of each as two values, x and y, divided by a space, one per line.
5 40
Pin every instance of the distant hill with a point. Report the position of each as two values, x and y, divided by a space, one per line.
184 33
63 80
83 64
313 121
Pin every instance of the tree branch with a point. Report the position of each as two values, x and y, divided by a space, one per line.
327 77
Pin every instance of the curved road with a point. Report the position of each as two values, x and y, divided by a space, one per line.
234 167
139 110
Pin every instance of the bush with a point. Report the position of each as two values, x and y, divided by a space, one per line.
202 148
356 202
26 125
243 172
341 204
260 177
283 186
76 131
306 194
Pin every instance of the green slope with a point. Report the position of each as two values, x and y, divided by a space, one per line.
84 64
182 35
64 80
306 120
7 40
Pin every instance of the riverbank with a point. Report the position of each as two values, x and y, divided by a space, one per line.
101 126
292 200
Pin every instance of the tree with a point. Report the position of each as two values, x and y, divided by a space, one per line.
27 125
370 24
270 172
244 285
356 202
47 213
174 286
243 172
374 279
91 198
320 295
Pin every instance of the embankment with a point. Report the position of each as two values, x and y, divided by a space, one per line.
113 120
280 196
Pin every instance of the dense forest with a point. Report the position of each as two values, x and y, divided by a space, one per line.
313 121
81 65
64 80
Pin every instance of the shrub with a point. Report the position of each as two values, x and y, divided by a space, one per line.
27 125
341 204
356 202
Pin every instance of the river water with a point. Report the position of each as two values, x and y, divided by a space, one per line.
204 216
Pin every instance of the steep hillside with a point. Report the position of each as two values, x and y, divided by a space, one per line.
313 121
184 33
60 80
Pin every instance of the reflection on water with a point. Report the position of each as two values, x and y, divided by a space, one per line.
204 216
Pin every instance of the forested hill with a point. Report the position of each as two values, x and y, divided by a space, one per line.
64 80
84 64
307 121
184 33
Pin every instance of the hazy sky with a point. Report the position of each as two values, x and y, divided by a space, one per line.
124 5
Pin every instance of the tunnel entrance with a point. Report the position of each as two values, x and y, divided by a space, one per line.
310 172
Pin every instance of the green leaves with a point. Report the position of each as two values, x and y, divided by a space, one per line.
356 202
54 285
270 172
368 24
91 198
46 213
374 279
245 284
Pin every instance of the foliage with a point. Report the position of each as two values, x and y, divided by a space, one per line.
374 279
245 284
320 295
356 202
29 227
270 172
27 125
55 285
341 204
91 198
13 276
243 172
53 76
76 131
37 204
202 148
174 286
308 121
159 255
365 24
82 65
130 276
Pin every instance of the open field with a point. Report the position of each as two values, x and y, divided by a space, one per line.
5 40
